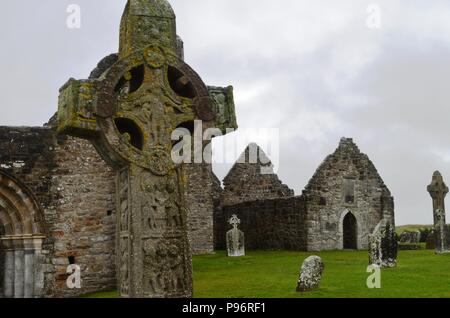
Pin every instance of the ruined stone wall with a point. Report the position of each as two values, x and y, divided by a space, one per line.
28 154
277 224
84 218
74 188
200 207
247 181
346 183
326 201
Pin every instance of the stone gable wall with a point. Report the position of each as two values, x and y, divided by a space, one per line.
245 182
326 207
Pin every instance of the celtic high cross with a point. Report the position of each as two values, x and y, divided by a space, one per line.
129 111
438 191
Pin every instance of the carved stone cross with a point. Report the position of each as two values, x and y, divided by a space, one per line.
129 113
234 221
235 238
438 190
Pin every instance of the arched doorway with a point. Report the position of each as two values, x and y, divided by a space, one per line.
20 240
350 232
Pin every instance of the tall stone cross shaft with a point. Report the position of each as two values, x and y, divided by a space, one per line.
129 112
438 190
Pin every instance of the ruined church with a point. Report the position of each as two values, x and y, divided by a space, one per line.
79 188
339 208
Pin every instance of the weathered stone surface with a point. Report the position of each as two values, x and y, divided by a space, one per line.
277 224
74 189
310 274
132 132
438 190
383 245
252 178
346 199
200 205
129 113
74 186
339 208
235 239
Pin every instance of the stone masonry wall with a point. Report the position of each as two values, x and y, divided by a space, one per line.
327 206
277 224
84 221
75 190
200 205
246 182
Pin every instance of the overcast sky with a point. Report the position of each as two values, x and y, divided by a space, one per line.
311 68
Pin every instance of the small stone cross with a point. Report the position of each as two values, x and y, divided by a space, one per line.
234 221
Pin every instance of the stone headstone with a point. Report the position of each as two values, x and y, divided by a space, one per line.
383 245
310 274
438 190
235 239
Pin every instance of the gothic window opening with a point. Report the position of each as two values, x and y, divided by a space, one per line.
350 232
349 191
179 83
131 131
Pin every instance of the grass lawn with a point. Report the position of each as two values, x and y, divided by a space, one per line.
274 275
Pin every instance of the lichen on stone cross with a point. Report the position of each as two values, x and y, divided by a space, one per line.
129 113
438 190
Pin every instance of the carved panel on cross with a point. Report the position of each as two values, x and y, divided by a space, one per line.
123 225
123 195
167 273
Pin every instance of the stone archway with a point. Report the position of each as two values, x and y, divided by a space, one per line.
350 232
20 240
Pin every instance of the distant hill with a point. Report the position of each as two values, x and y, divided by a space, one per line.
412 227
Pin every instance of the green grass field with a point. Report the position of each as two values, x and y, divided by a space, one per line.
420 274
